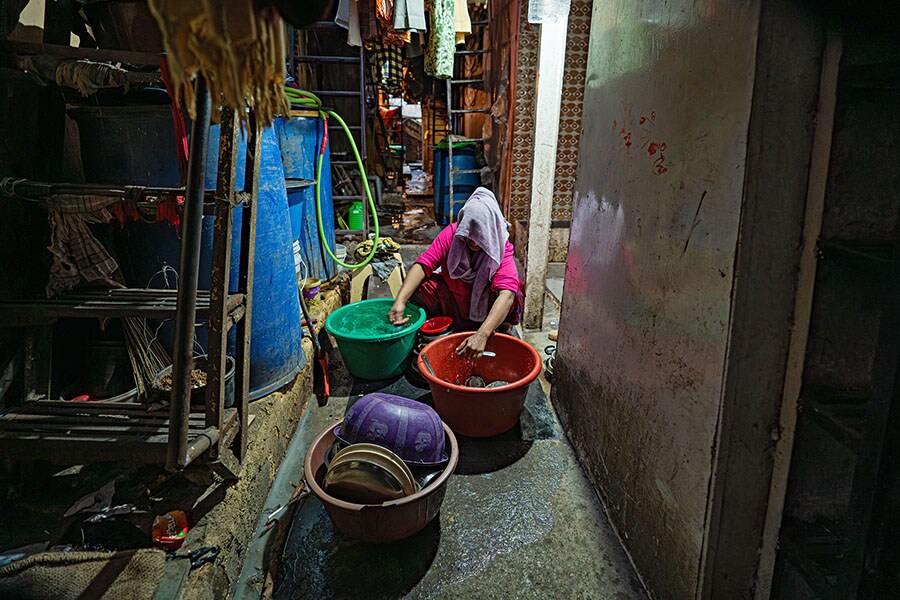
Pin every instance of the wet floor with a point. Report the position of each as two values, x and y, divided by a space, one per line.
519 520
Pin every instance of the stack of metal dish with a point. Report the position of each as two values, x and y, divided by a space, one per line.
368 474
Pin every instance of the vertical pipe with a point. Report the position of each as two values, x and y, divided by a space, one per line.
189 268
450 144
362 137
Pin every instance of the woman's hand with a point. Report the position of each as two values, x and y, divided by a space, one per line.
473 347
396 315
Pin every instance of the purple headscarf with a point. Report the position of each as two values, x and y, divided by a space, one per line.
481 221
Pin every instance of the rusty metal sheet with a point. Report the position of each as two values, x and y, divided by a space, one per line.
644 329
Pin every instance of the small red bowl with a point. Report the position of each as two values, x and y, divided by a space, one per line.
436 325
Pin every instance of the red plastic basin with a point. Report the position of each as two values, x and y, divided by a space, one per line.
480 412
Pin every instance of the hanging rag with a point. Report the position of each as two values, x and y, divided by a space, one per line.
389 68
384 12
409 15
78 256
239 49
441 40
348 18
462 24
481 221
87 76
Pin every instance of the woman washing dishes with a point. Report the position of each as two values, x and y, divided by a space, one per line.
468 273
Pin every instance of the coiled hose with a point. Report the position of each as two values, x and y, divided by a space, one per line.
310 100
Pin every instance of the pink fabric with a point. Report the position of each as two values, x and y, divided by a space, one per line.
506 277
438 301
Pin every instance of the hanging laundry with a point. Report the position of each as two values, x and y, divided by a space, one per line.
239 48
409 15
384 12
348 18
462 24
389 68
78 256
441 40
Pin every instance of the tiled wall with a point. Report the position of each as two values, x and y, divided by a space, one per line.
570 113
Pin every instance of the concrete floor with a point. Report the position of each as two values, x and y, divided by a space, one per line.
519 521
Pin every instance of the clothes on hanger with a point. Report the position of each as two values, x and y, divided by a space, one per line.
441 40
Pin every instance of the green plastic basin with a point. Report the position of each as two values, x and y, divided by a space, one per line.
371 346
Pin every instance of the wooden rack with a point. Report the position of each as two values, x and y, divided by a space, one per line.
79 432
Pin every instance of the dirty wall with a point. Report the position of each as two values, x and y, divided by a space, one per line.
644 332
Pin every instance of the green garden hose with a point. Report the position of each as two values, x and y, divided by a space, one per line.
311 101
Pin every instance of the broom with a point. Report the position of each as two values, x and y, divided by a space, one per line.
145 352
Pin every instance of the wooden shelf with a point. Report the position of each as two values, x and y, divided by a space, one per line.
146 59
78 432
116 303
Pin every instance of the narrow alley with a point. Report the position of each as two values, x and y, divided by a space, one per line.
427 299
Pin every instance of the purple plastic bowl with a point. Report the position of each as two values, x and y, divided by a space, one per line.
411 430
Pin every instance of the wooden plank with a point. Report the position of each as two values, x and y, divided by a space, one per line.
803 300
221 269
64 51
64 450
245 277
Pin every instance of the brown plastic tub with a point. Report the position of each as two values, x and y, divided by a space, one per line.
378 523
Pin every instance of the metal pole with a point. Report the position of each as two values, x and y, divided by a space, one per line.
450 145
182 360
362 138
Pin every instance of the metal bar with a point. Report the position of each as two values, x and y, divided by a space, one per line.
337 93
328 59
470 52
466 81
221 267
362 135
450 146
201 444
245 286
61 51
462 111
189 267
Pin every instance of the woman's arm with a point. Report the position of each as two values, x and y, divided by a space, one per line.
473 346
414 279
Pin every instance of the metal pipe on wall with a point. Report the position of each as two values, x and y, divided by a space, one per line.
189 270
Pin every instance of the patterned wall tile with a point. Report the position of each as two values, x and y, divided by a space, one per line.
579 28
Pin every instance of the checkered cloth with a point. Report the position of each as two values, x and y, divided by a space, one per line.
389 68
78 256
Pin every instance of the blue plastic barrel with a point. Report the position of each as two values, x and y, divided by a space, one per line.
464 158
112 154
276 355
300 139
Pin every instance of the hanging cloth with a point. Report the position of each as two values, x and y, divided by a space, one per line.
389 68
384 12
348 18
462 24
409 15
441 40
